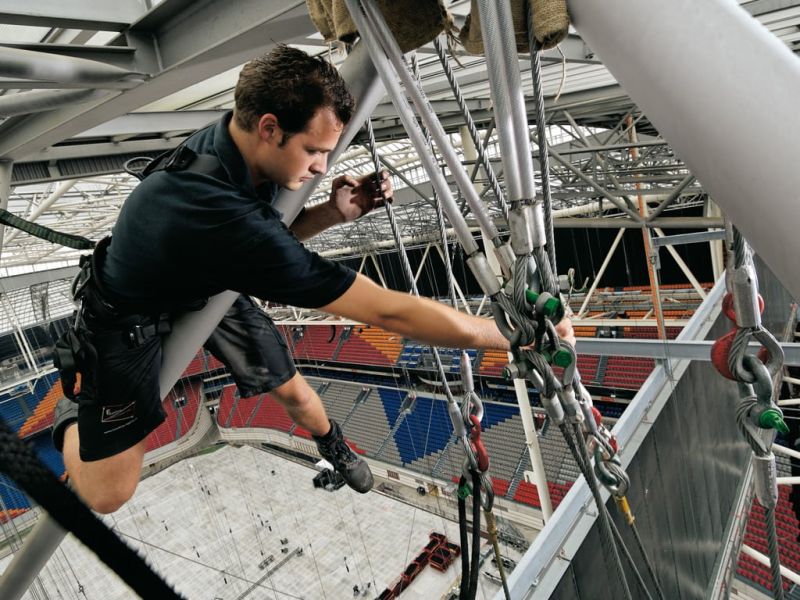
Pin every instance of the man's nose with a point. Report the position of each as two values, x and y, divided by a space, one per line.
319 166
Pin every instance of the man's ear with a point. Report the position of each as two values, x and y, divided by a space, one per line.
268 128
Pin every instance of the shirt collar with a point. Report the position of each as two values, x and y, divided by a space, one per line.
229 155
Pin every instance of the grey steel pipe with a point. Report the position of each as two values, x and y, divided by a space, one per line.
428 116
43 100
744 155
42 66
39 546
408 120
505 86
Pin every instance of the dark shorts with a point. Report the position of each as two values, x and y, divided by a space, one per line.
121 404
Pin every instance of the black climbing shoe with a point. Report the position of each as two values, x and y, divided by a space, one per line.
66 412
347 463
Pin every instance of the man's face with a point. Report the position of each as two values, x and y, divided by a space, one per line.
302 155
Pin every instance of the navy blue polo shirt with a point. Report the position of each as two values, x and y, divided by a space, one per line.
183 237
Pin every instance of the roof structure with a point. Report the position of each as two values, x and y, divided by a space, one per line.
86 87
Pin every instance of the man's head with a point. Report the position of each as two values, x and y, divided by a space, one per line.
294 107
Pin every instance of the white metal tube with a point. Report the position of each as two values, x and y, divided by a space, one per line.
756 555
432 123
502 67
785 451
600 273
534 451
683 266
738 129
788 480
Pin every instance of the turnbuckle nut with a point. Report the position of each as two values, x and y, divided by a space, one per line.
545 304
513 371
772 418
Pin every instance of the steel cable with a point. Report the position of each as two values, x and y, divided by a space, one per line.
20 463
581 455
648 563
541 139
626 553
483 159
774 557
448 267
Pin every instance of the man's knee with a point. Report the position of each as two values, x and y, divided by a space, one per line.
296 391
107 484
110 498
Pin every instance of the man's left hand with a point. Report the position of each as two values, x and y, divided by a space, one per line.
565 331
353 198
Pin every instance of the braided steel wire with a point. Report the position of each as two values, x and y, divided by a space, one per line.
748 430
19 461
401 250
648 563
774 557
448 267
626 553
546 272
520 283
541 139
483 159
581 456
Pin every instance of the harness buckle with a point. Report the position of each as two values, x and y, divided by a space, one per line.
137 335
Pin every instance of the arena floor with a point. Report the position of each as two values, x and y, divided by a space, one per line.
208 523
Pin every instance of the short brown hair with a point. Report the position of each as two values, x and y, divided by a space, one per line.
291 85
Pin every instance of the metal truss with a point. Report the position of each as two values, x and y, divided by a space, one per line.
151 72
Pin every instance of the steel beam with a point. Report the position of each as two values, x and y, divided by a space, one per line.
76 14
176 56
118 56
688 238
43 100
38 66
152 122
618 222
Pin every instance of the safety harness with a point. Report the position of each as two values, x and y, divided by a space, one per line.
75 352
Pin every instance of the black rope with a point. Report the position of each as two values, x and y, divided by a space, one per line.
464 539
476 535
19 461
45 233
470 565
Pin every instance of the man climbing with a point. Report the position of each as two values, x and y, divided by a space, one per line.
201 222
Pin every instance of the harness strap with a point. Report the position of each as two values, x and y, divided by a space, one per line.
179 159
45 233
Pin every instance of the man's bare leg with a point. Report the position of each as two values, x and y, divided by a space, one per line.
303 405
105 484
306 409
